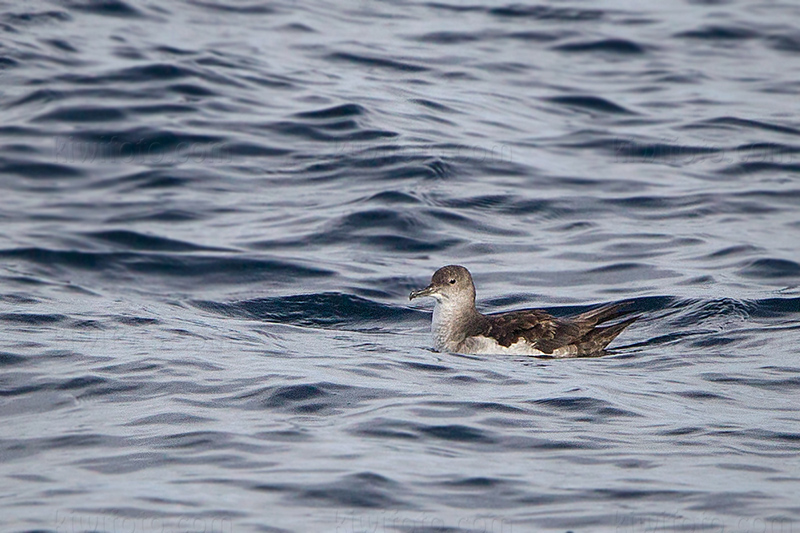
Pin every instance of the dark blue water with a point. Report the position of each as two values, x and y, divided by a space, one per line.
212 214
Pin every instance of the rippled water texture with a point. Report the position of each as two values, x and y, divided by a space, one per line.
212 214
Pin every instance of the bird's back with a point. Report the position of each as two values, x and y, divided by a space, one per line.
536 332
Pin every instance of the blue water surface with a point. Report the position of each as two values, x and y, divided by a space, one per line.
212 213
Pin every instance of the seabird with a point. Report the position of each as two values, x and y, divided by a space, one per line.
459 327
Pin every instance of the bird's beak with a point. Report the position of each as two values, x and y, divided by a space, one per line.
427 291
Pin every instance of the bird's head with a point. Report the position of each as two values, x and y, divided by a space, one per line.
449 284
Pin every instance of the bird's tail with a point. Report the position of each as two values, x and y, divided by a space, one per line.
605 313
597 339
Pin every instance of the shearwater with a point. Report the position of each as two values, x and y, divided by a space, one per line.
459 327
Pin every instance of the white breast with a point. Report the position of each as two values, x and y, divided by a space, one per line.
440 327
487 345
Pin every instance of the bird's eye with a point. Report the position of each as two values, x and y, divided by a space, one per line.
452 282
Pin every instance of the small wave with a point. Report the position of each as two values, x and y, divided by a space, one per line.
365 490
549 13
331 132
590 103
319 398
377 62
11 359
81 114
106 8
335 112
731 122
324 310
785 43
132 240
32 319
449 37
39 170
179 268
607 46
36 18
719 33
241 8
704 312
771 268
585 408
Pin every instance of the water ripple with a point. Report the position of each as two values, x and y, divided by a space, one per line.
213 215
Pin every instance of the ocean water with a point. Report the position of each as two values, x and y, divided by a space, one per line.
212 214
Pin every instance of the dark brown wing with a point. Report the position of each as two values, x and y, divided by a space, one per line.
547 333
542 330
